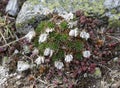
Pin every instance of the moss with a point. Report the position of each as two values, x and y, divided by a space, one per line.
50 24
58 37
40 27
63 25
76 45
36 44
44 24
78 55
114 21
58 56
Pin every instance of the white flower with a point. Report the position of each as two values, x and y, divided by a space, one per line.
22 66
46 11
86 54
85 35
35 51
48 52
59 65
74 32
43 37
67 16
40 60
68 58
30 35
72 24
48 30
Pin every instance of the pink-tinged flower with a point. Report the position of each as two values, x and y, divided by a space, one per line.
84 35
48 30
67 16
40 60
74 32
48 52
43 37
68 58
59 65
86 54
30 35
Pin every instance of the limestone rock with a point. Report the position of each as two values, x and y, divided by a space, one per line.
12 7
34 11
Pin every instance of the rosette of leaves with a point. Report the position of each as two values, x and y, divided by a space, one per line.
58 40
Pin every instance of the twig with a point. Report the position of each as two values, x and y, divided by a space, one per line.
12 42
3 37
114 38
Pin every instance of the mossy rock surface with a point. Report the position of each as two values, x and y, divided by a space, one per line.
34 11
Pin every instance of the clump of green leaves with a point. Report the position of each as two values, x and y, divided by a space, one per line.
44 24
58 56
76 45
58 40
64 25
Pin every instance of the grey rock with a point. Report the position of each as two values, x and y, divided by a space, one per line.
12 7
34 11
109 4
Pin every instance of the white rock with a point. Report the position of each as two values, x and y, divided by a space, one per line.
12 7
22 66
68 58
30 35
3 74
84 35
40 60
59 65
111 3
86 54
43 37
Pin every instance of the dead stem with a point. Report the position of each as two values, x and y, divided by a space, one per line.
3 37
7 44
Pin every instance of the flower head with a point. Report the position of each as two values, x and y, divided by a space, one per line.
48 30
59 64
35 51
30 35
40 60
48 52
84 35
43 37
74 32
86 54
72 24
68 58
67 16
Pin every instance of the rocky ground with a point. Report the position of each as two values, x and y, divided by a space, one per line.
68 44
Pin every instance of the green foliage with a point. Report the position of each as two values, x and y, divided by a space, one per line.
50 24
44 24
78 55
41 27
57 37
76 45
114 23
58 56
64 25
36 44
